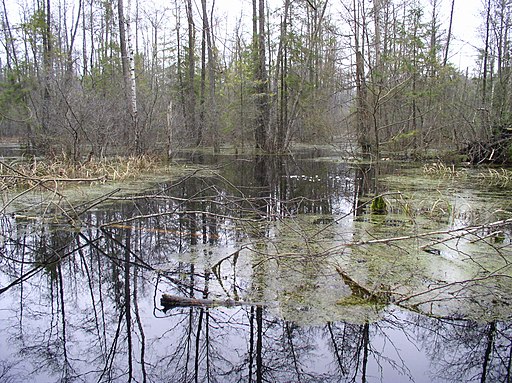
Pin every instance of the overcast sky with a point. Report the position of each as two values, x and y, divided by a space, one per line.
467 20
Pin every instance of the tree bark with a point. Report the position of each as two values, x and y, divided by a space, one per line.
128 64
122 44
209 124
449 36
191 95
134 113
170 301
170 128
48 67
212 80
362 112
127 301
278 138
262 82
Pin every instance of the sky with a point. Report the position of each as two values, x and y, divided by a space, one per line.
467 20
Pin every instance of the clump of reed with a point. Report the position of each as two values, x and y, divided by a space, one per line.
117 168
441 170
29 173
496 177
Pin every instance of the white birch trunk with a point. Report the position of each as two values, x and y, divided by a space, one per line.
132 94
169 130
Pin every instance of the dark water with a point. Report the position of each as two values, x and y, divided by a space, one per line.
81 301
13 150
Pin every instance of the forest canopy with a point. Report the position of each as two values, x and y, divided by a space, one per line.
86 78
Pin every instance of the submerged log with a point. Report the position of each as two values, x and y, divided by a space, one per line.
171 301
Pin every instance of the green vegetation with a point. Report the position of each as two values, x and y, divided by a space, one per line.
379 205
77 81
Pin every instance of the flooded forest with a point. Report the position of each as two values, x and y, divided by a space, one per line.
255 191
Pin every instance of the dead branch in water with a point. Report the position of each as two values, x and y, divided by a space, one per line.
169 301
459 232
361 291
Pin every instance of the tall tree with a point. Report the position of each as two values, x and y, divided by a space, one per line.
449 35
278 139
128 64
47 65
207 50
261 78
362 107
191 93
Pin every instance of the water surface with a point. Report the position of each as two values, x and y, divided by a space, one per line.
81 288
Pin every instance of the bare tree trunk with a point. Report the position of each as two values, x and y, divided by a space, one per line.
278 138
124 58
134 113
362 115
122 44
181 82
414 119
377 6
48 67
91 27
366 346
486 54
170 128
212 79
259 344
71 44
191 96
10 49
377 76
84 44
262 81
449 36
491 334
202 92
241 74
128 64
295 104
432 70
210 124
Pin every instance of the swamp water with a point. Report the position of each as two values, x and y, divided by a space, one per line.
295 275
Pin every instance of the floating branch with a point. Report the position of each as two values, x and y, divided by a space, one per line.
459 232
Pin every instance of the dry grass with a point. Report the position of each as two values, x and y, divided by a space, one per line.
496 177
23 174
439 169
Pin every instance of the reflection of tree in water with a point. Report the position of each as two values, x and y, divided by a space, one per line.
88 299
468 351
90 331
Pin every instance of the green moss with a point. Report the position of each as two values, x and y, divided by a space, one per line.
379 205
354 300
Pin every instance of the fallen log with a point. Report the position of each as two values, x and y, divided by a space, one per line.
362 292
169 301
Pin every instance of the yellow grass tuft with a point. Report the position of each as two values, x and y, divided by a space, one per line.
439 169
24 174
496 177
